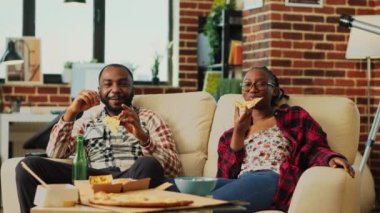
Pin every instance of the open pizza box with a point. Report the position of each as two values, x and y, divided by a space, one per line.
117 186
139 188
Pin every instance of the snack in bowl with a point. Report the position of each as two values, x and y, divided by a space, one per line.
112 123
136 200
247 104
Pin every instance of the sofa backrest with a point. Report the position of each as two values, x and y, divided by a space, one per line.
338 116
189 116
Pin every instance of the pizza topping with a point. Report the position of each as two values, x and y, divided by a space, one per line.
100 179
112 123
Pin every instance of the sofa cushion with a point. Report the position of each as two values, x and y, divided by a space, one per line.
338 116
189 116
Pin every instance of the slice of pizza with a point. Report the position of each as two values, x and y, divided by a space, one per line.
137 200
112 123
247 104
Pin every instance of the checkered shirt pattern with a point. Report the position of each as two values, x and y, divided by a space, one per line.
308 148
106 149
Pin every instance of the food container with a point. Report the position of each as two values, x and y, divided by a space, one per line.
56 195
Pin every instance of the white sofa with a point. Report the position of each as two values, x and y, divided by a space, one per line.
197 121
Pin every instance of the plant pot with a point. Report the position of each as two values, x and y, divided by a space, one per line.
155 81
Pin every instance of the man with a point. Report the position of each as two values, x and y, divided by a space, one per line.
142 146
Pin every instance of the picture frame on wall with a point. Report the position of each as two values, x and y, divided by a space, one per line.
30 70
304 3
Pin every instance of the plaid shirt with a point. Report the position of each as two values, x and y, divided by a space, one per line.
308 148
105 149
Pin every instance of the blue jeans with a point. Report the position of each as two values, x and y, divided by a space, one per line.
258 188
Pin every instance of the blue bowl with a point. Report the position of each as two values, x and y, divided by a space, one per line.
196 185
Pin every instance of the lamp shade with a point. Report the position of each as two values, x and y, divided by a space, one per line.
10 56
363 44
76 1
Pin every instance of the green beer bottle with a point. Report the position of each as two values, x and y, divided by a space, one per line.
80 161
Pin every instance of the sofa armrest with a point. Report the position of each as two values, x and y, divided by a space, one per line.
325 189
8 183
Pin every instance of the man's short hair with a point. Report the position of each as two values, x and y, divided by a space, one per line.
119 66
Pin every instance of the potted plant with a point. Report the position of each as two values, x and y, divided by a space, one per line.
211 28
156 69
66 75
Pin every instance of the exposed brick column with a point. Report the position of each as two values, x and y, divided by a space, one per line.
190 11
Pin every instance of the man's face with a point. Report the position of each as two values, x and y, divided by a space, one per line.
115 89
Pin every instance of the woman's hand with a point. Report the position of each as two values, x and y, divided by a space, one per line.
131 121
242 119
242 122
340 162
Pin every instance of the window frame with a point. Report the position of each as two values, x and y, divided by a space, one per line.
99 33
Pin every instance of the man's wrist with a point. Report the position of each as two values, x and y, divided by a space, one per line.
146 143
69 115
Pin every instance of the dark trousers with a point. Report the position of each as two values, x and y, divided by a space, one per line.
57 172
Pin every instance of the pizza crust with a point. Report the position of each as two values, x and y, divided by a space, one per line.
136 200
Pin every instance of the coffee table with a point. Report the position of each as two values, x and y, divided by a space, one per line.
76 209
83 209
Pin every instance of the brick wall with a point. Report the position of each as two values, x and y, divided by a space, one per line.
189 13
59 94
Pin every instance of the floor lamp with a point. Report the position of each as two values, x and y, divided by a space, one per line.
364 43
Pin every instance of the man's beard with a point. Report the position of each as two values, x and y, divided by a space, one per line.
115 110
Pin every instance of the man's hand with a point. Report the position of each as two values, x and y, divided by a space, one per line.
130 120
340 162
84 101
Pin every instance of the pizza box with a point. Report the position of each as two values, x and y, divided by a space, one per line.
199 202
122 185
56 195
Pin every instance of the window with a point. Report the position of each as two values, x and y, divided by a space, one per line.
66 35
132 33
9 28
133 36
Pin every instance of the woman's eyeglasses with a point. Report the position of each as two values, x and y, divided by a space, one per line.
260 85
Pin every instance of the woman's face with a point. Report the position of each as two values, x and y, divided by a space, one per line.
255 85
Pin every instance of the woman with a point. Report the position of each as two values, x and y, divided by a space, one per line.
262 157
